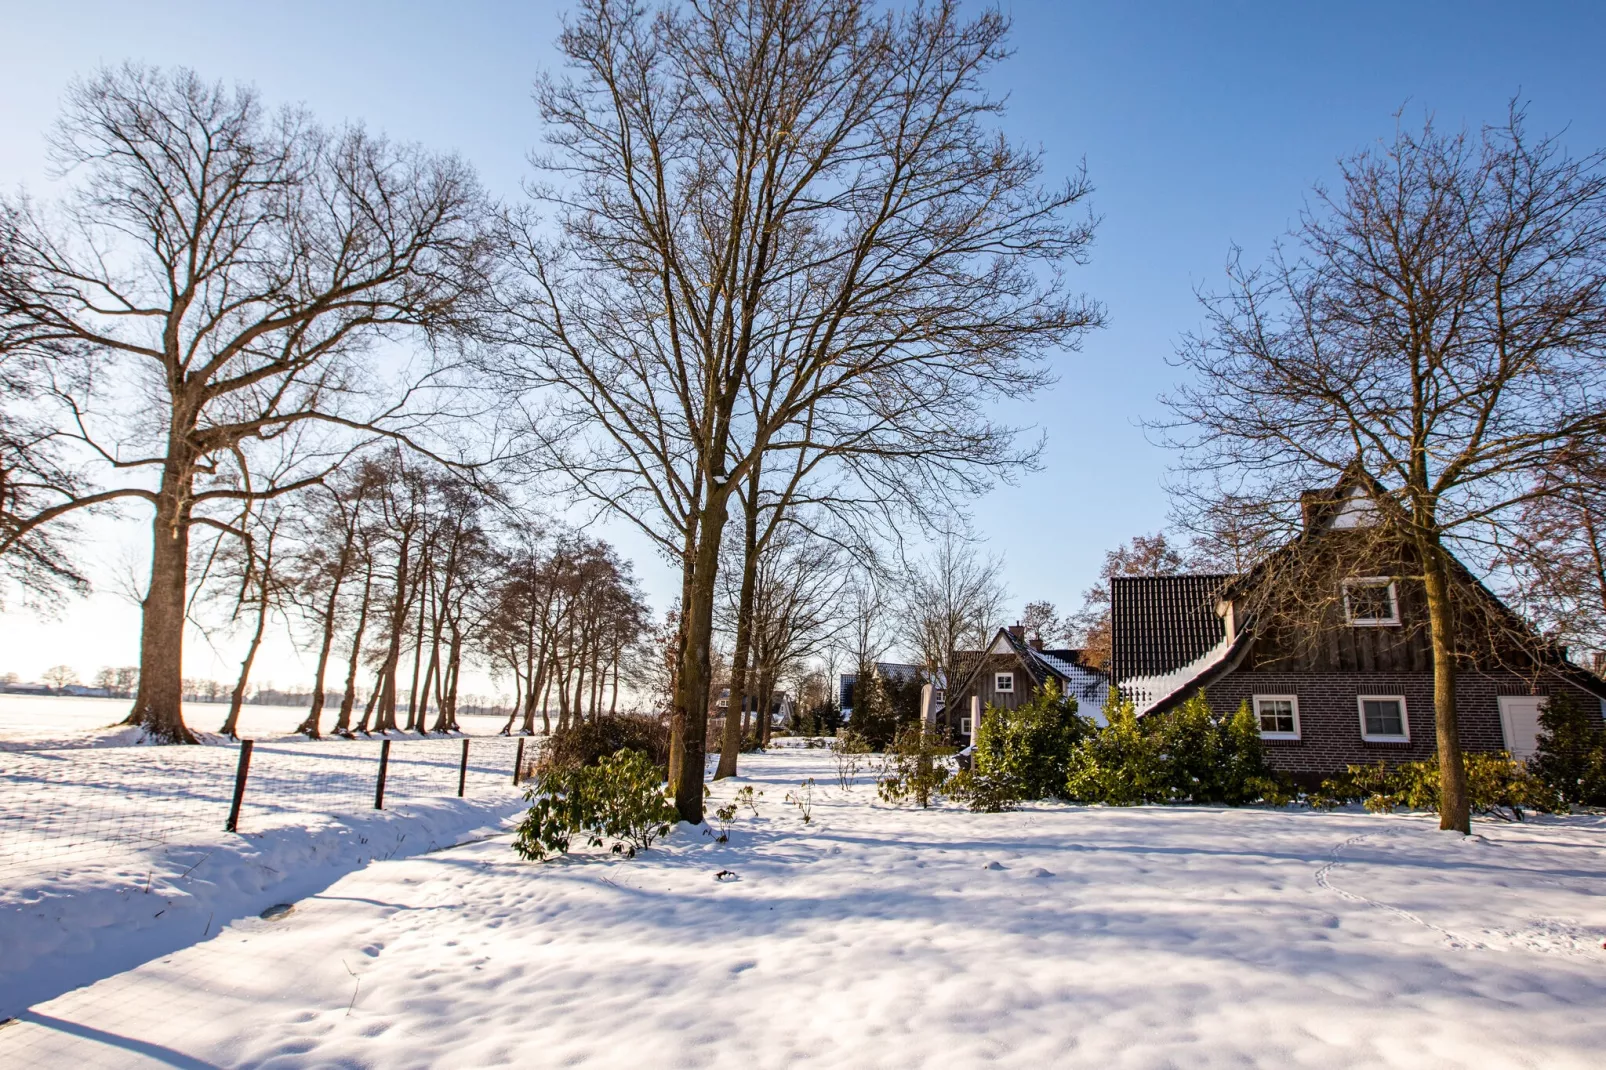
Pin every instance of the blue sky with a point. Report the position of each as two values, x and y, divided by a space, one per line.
1203 125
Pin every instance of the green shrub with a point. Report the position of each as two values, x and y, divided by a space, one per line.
1120 764
620 798
586 744
913 769
1025 753
981 792
1185 755
1572 753
1499 786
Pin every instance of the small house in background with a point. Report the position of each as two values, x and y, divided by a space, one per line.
1327 639
1009 672
895 673
781 705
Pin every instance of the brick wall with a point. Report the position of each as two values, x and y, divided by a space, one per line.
1329 718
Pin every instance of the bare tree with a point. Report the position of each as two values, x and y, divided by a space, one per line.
262 591
208 286
807 193
1229 532
60 676
795 613
1043 623
951 600
1441 327
333 555
1555 552
1145 555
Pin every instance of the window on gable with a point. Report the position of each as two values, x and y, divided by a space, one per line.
1383 717
1278 716
1371 602
1004 681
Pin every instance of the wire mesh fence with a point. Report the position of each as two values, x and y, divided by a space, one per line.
62 807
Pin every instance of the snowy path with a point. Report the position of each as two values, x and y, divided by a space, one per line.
1055 936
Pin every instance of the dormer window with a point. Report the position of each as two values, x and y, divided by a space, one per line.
1371 602
1004 681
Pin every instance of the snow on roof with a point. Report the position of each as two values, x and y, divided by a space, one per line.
1146 692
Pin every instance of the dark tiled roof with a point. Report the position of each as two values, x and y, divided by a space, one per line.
1161 623
894 671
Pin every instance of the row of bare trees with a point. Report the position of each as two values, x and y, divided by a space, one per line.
225 305
567 624
396 575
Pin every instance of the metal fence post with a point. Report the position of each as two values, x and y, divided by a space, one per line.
240 772
384 764
462 770
518 762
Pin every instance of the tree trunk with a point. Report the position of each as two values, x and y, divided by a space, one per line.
368 707
1455 810
692 684
386 719
418 647
537 694
309 727
348 697
231 724
736 710
446 690
613 699
761 710
158 704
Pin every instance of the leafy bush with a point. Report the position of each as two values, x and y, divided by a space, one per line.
1120 764
620 798
1572 753
913 769
981 792
586 744
1499 786
1025 753
1185 755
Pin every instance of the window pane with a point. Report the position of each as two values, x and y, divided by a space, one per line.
1369 601
1383 717
1277 715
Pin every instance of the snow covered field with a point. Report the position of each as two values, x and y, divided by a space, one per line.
1053 936
113 855
48 722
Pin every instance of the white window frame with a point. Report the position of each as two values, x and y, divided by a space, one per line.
1004 683
1391 621
1292 700
1405 718
964 726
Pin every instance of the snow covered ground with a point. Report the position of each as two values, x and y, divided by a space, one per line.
1053 936
113 855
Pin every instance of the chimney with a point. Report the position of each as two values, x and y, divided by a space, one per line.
1309 500
1018 631
1036 642
1600 663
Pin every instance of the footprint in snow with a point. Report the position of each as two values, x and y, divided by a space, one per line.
1041 872
993 865
373 950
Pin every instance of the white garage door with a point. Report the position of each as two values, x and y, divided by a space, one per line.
1519 719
